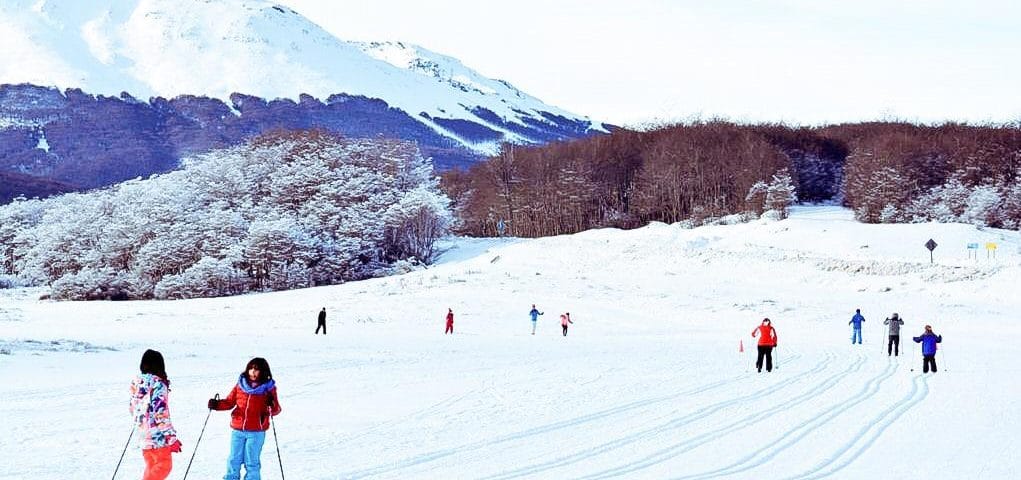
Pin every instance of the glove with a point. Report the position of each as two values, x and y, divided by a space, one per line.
212 403
269 401
176 447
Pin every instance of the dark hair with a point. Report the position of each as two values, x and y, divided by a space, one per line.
265 374
152 363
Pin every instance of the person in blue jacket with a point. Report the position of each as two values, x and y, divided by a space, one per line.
535 317
928 341
856 320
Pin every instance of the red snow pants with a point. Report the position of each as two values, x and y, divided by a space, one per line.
157 463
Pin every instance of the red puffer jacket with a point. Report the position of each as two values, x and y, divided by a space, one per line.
251 413
766 334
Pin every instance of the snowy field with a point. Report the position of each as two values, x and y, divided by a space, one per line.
649 382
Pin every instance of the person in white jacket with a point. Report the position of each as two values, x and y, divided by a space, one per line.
893 346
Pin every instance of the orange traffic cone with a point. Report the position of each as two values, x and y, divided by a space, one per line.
741 347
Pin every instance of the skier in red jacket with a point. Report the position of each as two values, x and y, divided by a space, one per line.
254 400
767 342
450 322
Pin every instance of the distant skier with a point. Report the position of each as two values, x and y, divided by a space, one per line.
151 412
564 320
856 320
534 313
322 321
767 342
894 343
450 322
928 341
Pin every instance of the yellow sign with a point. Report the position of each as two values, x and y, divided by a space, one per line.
990 246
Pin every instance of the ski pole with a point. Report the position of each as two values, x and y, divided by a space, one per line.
740 352
277 442
123 452
946 364
914 348
196 449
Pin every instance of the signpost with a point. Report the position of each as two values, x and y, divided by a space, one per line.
990 249
931 245
973 248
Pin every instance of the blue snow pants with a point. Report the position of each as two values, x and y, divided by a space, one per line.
245 448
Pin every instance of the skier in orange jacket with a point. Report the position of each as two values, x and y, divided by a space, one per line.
767 342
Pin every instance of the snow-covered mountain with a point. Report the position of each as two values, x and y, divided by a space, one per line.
169 48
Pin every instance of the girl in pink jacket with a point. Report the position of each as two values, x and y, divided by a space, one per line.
564 320
151 412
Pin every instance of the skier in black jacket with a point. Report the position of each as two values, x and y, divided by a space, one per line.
322 321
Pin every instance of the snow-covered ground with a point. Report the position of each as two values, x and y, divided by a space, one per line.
649 383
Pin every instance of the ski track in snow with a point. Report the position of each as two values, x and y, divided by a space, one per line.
417 415
790 437
868 434
575 422
741 423
670 426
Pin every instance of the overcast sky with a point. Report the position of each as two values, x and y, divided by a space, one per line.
800 61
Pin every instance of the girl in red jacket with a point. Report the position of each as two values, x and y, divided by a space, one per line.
254 400
767 341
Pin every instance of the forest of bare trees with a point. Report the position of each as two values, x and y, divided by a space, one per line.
884 171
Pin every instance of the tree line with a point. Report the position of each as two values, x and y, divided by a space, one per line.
705 171
897 172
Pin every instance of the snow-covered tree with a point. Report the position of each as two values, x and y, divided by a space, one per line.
884 186
756 197
1010 212
414 224
889 214
982 206
780 193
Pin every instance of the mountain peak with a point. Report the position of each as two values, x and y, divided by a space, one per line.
170 48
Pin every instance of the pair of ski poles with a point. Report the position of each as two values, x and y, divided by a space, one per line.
276 440
192 453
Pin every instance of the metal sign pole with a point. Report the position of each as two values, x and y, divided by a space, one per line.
931 245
